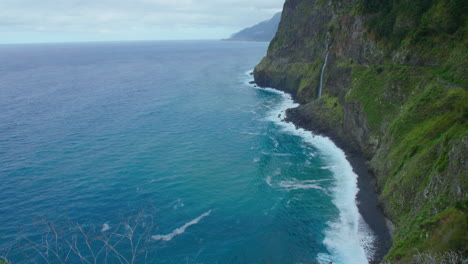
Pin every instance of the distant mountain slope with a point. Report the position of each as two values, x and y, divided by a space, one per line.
263 31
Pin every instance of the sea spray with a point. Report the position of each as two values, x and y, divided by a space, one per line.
105 227
347 238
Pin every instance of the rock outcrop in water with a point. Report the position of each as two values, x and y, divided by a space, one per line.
394 90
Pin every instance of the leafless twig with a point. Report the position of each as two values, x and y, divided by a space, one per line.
127 243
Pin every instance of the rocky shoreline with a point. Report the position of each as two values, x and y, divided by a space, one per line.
390 103
367 198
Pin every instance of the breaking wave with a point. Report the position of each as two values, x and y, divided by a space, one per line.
181 229
347 238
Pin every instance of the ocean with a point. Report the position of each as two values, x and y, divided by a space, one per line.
166 144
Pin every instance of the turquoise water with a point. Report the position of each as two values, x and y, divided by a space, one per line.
171 133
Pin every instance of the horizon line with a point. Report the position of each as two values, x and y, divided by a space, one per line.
103 41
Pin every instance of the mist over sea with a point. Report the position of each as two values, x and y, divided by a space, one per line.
97 133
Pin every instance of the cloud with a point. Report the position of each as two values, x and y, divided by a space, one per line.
126 16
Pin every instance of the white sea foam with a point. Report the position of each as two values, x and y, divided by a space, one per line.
248 78
366 238
178 204
181 229
295 184
105 227
271 90
275 142
253 133
268 180
347 238
275 154
269 177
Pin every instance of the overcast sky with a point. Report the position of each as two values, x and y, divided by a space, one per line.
99 20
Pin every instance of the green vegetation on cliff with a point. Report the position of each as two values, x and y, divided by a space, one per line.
423 124
396 87
416 20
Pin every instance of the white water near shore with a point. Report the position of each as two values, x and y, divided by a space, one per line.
181 229
348 238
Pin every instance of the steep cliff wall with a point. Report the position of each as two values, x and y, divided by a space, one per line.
395 89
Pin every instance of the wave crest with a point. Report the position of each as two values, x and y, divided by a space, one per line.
347 238
181 229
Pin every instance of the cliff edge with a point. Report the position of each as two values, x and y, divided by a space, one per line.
394 90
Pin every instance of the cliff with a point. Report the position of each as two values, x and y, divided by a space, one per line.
394 90
263 31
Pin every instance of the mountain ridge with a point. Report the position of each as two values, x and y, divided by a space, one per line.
261 32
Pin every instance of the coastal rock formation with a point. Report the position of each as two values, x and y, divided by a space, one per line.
395 91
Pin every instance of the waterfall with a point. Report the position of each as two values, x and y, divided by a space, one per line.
319 94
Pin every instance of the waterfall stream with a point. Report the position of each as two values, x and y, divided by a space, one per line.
319 93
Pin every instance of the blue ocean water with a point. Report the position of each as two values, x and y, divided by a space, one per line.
172 134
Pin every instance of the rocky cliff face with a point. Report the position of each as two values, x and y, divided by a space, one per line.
395 90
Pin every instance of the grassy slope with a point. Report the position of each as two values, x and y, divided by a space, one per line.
423 122
421 114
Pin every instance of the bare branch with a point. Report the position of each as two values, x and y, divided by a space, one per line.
126 242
